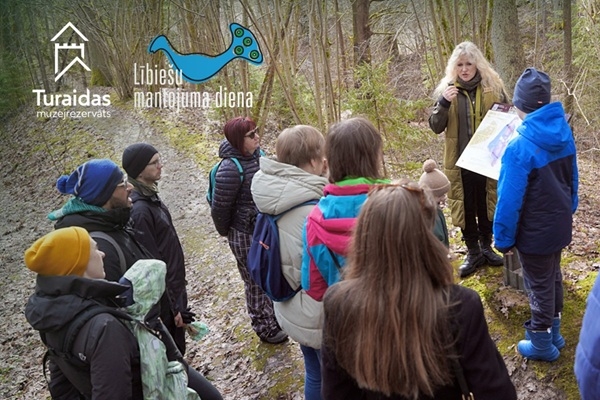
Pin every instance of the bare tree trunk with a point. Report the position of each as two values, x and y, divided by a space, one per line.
343 63
38 53
314 33
568 55
362 32
508 51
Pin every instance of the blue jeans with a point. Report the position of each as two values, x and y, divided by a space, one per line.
312 377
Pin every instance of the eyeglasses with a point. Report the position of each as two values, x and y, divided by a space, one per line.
125 182
156 162
251 134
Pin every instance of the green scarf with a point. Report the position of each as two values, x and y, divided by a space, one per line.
74 206
143 189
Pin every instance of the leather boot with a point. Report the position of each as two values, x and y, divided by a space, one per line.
539 346
474 260
557 339
491 258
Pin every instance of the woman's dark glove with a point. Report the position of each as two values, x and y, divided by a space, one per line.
188 316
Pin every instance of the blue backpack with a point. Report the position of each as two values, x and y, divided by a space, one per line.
264 257
212 176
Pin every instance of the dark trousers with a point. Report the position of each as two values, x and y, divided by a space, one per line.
475 201
202 386
543 282
176 332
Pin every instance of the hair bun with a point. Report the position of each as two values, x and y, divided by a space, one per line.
429 166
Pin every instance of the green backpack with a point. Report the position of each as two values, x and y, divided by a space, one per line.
161 379
212 177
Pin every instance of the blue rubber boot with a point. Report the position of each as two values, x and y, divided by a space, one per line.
539 346
557 339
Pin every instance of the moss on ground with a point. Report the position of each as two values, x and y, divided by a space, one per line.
506 322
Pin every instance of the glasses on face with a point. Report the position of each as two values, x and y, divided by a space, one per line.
252 133
156 162
125 182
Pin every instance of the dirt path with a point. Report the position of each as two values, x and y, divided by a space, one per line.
240 366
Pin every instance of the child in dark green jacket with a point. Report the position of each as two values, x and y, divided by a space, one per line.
439 185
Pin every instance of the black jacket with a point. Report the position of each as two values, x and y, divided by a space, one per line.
104 343
232 205
116 224
483 366
153 227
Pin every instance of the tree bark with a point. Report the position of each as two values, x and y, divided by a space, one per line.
568 55
508 50
362 32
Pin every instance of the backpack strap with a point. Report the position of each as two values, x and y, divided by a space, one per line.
466 394
109 239
306 203
239 167
68 335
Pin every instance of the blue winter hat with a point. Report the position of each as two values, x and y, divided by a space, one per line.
532 90
94 182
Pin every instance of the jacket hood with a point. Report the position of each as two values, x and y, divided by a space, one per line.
335 215
226 150
146 278
277 187
58 299
547 128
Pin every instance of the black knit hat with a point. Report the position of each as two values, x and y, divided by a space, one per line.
136 157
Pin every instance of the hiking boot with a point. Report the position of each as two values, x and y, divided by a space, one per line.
275 338
474 260
491 257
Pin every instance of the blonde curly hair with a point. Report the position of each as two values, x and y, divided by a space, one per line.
489 77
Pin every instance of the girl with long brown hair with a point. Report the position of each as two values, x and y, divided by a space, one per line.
396 321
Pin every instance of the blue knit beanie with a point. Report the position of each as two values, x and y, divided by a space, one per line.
532 90
94 182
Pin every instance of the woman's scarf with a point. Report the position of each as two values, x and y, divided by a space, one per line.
472 104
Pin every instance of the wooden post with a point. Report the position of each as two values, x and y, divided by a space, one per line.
513 273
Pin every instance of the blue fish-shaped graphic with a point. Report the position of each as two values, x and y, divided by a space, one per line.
198 67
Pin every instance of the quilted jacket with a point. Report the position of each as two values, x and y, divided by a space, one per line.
232 204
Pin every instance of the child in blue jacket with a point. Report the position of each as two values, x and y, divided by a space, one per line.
587 355
537 196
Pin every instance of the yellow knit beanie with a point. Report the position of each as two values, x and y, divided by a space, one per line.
65 251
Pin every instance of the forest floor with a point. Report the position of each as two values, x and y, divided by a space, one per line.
34 152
